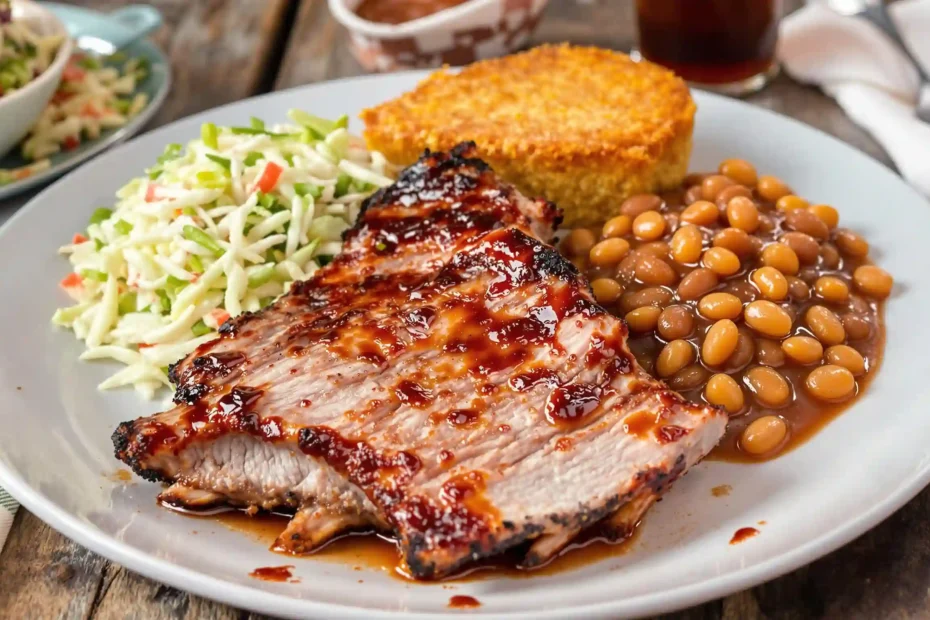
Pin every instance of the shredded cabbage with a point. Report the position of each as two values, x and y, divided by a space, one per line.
215 229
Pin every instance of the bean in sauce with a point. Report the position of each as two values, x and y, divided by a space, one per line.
742 294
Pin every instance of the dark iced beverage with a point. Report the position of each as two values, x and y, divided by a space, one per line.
729 44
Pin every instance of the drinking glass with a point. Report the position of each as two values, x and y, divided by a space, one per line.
723 45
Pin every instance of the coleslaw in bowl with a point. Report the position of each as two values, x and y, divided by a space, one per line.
218 227
31 69
24 52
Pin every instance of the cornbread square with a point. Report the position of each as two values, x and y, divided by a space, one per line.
581 126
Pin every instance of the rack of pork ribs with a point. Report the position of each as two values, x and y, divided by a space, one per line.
447 379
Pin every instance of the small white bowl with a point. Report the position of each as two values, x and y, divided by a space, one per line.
457 36
20 109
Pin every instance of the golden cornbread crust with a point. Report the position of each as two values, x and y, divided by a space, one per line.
582 126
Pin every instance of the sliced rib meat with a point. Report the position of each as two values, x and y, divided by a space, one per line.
466 410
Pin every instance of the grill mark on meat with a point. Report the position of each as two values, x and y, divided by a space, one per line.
428 179
401 358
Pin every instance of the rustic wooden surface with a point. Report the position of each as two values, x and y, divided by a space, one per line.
224 50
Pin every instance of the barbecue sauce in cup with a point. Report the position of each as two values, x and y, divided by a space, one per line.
402 11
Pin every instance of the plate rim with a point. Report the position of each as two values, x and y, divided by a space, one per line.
96 147
263 601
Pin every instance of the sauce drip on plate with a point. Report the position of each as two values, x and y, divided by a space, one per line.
463 601
743 533
272 573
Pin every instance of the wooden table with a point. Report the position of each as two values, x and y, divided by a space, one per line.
224 50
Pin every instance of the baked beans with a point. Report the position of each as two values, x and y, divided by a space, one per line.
609 252
742 294
790 203
723 391
675 322
700 213
721 261
743 214
649 226
873 281
827 214
617 226
687 244
635 206
781 257
804 246
771 188
803 349
770 282
712 185
737 241
578 243
606 291
764 435
718 306
739 171
674 356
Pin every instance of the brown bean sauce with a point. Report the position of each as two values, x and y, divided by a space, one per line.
822 251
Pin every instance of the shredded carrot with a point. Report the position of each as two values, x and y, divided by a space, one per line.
90 110
269 177
78 238
220 316
71 280
150 193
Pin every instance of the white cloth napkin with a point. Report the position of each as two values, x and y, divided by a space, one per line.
8 508
855 63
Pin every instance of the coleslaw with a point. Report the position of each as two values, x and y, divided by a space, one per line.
24 54
216 228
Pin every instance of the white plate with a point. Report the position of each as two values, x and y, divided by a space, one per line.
56 456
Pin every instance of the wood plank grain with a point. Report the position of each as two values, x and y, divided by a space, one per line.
131 596
220 50
312 51
44 575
